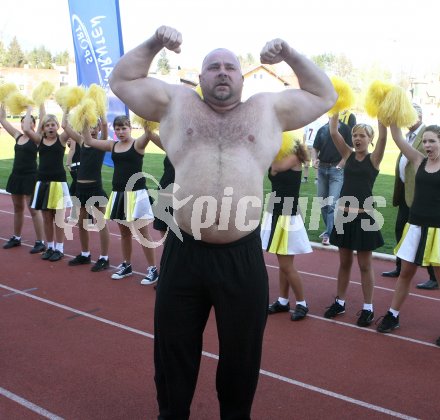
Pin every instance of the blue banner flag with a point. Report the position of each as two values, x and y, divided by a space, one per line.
97 38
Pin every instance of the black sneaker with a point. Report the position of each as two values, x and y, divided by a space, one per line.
299 313
278 307
335 309
56 256
38 247
46 255
151 277
389 323
80 260
366 317
125 270
101 264
13 241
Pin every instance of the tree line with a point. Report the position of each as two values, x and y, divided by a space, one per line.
38 58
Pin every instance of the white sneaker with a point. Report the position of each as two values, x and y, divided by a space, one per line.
151 277
125 270
325 240
322 235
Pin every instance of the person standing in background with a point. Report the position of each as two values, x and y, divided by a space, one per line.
310 132
348 118
330 165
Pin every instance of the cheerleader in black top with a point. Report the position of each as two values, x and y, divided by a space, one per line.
420 242
89 194
355 228
129 202
22 180
283 232
51 194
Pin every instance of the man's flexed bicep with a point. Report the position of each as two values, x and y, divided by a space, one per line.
146 96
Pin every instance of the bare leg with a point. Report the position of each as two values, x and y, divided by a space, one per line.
345 263
402 285
367 275
149 252
290 276
18 202
37 219
83 233
48 219
126 244
104 235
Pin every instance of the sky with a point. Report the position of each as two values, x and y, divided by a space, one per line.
402 35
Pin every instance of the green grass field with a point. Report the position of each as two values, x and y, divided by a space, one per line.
153 165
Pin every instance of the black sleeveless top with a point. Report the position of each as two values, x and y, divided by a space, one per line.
25 159
286 186
359 178
91 164
425 210
127 164
51 167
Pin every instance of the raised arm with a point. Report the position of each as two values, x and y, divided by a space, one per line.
343 148
41 115
74 135
105 145
141 143
379 150
27 127
295 108
7 125
145 96
104 128
413 155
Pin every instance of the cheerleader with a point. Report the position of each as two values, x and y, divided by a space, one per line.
355 228
22 180
420 242
283 232
128 203
90 193
51 194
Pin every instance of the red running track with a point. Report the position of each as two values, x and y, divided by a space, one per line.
78 345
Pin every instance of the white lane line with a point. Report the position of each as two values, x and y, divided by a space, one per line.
30 406
32 289
215 357
339 396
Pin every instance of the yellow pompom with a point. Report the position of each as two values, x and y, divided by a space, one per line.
287 145
5 90
345 96
42 92
68 97
198 89
397 109
99 96
17 103
375 96
84 113
150 125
